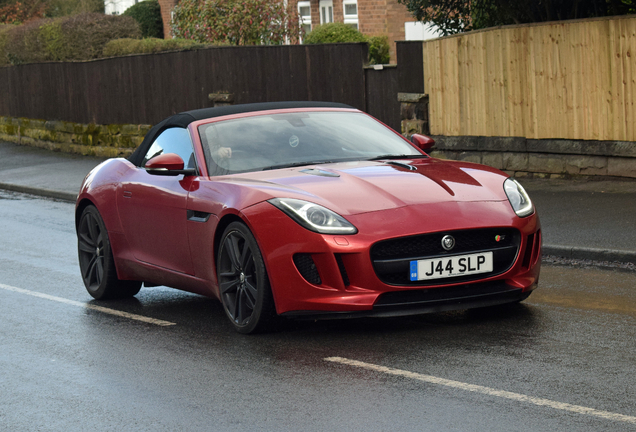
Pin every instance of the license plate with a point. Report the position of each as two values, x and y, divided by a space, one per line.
460 265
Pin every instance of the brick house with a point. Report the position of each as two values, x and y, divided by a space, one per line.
371 17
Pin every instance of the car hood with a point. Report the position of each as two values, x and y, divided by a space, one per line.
366 186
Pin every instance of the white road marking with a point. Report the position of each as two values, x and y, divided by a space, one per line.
88 306
486 390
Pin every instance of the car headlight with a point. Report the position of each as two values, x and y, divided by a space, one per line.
519 199
314 217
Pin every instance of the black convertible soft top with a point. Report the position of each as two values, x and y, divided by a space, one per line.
183 119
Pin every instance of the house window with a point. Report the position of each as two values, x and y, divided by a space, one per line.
351 12
326 11
304 10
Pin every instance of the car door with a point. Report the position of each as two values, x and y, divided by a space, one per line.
152 208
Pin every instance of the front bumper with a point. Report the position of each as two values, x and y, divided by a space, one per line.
343 283
415 302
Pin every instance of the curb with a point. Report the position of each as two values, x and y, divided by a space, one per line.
583 253
47 193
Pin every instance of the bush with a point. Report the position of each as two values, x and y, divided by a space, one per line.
121 47
341 33
237 22
80 37
379 50
334 33
148 14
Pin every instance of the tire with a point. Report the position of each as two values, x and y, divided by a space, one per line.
243 283
96 259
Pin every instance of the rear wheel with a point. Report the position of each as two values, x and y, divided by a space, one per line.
96 259
245 291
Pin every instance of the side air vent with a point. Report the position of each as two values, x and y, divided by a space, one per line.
527 255
307 268
343 270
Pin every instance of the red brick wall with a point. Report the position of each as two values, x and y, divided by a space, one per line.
166 7
315 13
387 17
338 12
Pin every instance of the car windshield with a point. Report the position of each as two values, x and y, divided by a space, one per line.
273 141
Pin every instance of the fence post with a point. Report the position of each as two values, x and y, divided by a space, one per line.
411 93
221 99
414 113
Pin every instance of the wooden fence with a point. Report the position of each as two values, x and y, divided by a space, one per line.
571 80
144 89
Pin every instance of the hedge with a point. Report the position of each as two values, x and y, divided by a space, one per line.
341 33
334 33
121 47
79 37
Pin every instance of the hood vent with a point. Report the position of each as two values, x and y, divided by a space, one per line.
401 164
319 172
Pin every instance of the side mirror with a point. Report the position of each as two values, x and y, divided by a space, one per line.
168 164
423 142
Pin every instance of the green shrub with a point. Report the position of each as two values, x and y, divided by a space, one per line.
87 34
237 22
21 44
121 47
148 14
334 33
79 37
341 33
379 50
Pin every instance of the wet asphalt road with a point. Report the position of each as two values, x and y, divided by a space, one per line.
64 367
572 211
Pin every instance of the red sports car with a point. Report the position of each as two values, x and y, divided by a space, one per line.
307 210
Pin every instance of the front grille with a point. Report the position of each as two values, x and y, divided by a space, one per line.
391 258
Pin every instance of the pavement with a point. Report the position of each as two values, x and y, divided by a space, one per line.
581 219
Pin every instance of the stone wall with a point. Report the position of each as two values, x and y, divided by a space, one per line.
84 139
524 157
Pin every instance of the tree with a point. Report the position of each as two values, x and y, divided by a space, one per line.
148 14
18 12
450 16
455 16
237 22
23 11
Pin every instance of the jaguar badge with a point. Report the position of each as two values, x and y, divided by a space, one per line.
448 242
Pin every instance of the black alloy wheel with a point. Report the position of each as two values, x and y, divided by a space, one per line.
96 259
243 283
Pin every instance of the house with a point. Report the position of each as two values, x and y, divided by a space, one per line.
371 17
117 7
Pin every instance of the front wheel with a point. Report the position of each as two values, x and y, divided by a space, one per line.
243 283
96 259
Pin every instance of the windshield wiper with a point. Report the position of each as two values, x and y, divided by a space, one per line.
402 156
297 164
